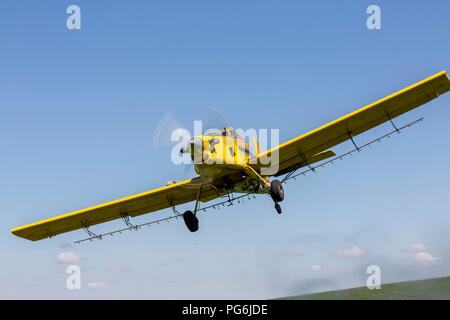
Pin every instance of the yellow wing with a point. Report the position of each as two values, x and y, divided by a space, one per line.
138 204
309 147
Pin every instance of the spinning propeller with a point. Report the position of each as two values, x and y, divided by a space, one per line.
172 133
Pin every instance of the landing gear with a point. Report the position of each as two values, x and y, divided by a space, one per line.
278 208
275 188
276 191
190 218
277 194
191 221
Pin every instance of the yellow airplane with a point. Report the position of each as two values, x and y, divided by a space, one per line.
225 164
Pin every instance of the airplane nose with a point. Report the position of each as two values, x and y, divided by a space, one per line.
196 149
197 144
194 146
184 150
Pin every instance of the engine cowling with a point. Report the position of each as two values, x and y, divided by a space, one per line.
195 148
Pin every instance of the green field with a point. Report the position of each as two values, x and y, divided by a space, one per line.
438 288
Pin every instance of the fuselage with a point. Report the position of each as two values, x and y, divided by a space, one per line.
223 159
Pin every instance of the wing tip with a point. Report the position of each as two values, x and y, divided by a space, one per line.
16 231
21 233
444 87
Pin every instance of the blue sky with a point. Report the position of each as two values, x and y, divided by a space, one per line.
79 109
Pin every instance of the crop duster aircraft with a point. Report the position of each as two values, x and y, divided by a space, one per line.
236 169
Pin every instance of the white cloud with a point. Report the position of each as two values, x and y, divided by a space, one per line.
416 248
115 268
353 252
425 258
293 254
96 285
68 258
421 255
315 267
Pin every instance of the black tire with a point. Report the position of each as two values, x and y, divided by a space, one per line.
276 191
191 221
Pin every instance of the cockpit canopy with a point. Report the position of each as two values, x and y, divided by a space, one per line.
228 131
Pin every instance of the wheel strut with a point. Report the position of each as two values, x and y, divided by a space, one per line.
189 217
277 207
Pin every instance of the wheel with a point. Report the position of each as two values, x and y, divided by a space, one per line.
278 208
276 191
191 221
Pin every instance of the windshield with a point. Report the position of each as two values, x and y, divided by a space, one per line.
230 132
